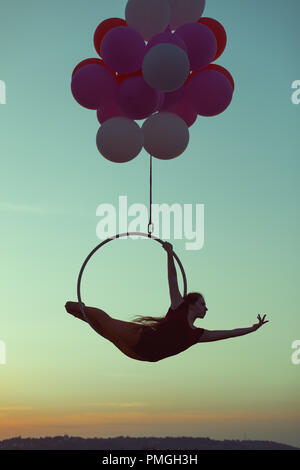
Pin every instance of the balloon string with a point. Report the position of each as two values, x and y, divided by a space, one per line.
150 230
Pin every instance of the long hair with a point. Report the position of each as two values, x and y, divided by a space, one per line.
188 299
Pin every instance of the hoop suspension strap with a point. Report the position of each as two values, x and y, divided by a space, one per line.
150 225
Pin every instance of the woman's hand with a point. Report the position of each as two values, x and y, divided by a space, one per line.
168 247
261 322
73 307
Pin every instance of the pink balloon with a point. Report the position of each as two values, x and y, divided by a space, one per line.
201 44
119 140
209 92
109 111
123 49
137 99
166 135
172 98
93 86
166 37
184 110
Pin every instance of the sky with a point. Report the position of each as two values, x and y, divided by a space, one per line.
60 377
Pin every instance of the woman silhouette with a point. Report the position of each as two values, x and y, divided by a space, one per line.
154 338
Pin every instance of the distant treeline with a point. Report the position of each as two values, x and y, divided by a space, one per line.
136 443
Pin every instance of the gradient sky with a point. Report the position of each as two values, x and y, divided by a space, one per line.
62 378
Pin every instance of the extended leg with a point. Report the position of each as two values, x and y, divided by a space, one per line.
116 331
122 334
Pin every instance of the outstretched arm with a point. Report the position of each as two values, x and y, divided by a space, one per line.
217 335
175 295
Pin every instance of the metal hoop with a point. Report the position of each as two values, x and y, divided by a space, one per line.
119 235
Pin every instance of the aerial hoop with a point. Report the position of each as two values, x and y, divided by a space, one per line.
119 235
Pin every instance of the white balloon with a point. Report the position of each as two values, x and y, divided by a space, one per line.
185 11
166 67
119 139
166 135
148 17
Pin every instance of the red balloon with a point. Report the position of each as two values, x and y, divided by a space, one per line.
172 98
219 33
224 71
103 28
90 61
191 75
121 76
184 110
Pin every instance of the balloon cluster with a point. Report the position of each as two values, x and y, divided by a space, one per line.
156 65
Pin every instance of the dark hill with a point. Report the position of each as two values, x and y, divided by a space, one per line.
137 443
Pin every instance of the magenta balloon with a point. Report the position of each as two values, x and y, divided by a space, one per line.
201 44
172 98
109 111
184 110
123 49
166 37
93 86
137 99
209 92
